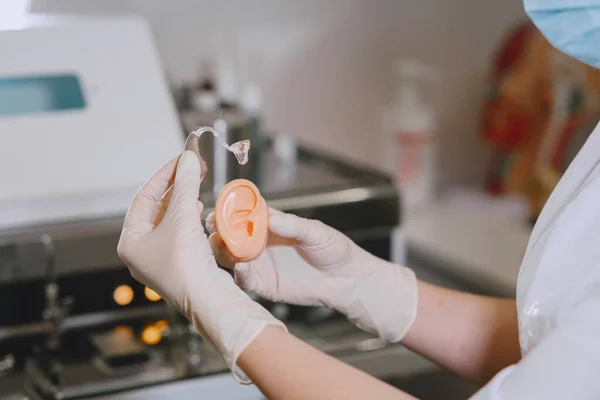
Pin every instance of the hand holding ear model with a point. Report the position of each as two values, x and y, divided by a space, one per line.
164 245
309 263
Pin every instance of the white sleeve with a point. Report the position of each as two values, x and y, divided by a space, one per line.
564 365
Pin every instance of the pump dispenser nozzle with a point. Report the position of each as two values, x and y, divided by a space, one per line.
410 68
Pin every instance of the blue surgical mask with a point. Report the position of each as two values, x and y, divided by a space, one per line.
572 26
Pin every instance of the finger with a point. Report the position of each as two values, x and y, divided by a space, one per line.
274 211
221 252
144 204
164 204
211 227
246 277
186 187
273 239
161 207
204 242
307 232
259 276
200 207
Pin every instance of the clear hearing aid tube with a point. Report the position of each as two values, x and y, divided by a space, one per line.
239 149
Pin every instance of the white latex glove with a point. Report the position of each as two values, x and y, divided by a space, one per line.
165 247
309 263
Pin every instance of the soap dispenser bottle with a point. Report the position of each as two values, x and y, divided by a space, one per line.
408 144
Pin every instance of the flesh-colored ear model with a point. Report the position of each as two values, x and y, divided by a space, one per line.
242 219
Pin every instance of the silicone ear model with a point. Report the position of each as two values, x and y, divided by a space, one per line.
242 219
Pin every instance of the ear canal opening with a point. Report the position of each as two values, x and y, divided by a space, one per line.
250 228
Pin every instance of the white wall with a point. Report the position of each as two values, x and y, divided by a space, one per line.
325 64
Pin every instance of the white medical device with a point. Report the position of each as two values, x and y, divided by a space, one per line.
86 117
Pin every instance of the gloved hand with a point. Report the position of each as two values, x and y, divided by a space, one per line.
309 263
164 245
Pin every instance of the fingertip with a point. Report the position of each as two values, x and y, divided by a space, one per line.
242 267
186 187
216 242
188 159
221 252
274 220
283 225
243 276
188 169
210 223
273 211
143 205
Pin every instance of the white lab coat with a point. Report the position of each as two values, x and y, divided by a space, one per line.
558 294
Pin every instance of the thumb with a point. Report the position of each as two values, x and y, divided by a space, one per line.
307 232
247 277
259 276
186 187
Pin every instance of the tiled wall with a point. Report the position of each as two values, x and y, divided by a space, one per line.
325 65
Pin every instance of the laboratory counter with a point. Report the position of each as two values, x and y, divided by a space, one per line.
466 247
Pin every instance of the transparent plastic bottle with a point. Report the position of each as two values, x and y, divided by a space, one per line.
408 144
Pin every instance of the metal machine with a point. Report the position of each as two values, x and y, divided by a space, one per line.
85 116
73 323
